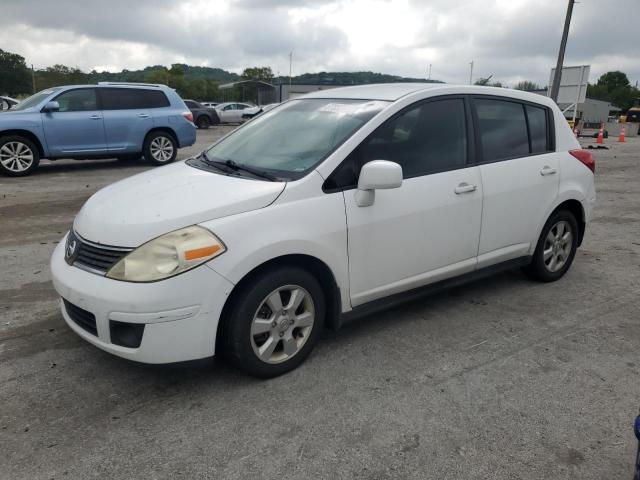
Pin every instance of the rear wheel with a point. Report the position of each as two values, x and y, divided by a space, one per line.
160 148
18 156
556 248
275 322
203 122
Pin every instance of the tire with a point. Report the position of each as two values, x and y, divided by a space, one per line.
551 260
203 122
275 328
18 156
160 148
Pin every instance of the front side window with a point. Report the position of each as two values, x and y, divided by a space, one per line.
502 128
80 100
292 139
429 138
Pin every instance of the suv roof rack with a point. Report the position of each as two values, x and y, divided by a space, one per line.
137 84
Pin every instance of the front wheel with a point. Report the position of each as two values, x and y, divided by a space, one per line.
203 122
556 248
18 156
275 322
160 148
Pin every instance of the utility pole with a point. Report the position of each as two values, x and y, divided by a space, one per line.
33 79
429 71
555 86
471 73
290 62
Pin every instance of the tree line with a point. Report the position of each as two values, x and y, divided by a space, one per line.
203 83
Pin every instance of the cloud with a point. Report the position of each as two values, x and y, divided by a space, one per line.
509 39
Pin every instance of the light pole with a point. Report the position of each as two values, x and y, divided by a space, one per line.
290 62
471 73
555 86
429 71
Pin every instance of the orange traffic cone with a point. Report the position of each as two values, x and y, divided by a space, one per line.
621 137
601 134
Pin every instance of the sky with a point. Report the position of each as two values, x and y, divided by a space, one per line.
512 40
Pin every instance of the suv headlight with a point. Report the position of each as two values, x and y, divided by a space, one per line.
168 255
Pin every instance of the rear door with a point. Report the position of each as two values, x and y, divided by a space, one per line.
128 116
519 175
78 127
428 229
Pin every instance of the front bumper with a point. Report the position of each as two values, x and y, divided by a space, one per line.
180 314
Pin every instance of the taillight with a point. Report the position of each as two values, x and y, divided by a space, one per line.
586 158
188 116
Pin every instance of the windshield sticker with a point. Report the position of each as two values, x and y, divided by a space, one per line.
339 108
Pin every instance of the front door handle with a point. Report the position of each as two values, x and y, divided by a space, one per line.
143 115
547 170
464 187
95 117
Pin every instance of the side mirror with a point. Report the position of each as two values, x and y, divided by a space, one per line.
377 174
51 107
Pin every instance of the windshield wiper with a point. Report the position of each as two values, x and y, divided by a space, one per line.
254 171
231 166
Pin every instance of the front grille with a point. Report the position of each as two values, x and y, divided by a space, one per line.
98 258
82 318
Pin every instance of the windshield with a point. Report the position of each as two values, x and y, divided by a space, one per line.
290 140
35 99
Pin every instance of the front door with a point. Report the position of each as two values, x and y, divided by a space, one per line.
78 127
429 228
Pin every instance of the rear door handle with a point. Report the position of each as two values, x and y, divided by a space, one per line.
143 115
547 170
464 187
95 117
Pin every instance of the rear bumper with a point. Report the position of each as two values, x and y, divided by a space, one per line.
180 314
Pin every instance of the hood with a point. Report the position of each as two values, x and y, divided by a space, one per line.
135 210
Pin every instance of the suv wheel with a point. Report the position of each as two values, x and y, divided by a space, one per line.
275 322
18 156
160 148
203 122
556 248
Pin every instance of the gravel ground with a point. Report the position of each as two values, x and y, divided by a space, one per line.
503 378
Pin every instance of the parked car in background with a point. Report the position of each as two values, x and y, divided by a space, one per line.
327 207
6 103
231 112
210 104
250 113
203 116
123 120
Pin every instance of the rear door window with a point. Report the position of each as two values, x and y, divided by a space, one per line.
502 129
79 100
132 98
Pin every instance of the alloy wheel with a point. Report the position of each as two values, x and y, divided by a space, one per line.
282 324
161 149
557 246
16 156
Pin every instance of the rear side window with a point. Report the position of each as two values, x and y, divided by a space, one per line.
132 98
503 129
81 100
191 104
425 139
537 118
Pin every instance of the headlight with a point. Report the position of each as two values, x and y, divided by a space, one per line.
168 255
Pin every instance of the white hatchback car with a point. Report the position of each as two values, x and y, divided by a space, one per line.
321 209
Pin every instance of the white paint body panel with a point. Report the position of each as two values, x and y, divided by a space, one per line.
140 208
413 235
421 227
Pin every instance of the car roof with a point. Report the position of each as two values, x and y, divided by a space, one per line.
394 91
